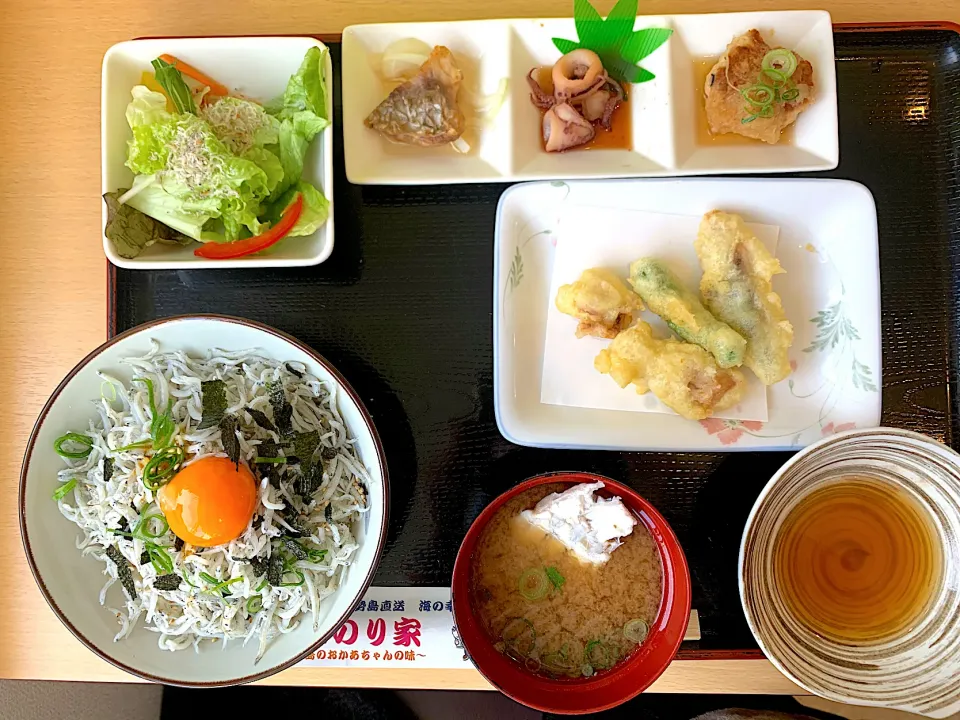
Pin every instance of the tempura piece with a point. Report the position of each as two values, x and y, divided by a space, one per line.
684 376
600 301
740 70
737 270
423 111
682 310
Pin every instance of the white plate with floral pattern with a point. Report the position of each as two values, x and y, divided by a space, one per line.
831 294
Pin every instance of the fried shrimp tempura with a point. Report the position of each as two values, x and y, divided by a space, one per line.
682 310
600 301
684 376
736 287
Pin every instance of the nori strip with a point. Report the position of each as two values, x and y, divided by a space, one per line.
275 570
167 582
309 481
328 453
228 436
259 566
304 447
213 396
123 571
300 528
282 410
261 419
177 543
293 371
107 468
124 525
144 557
328 512
294 547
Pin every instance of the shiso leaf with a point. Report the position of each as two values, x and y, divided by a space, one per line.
556 579
282 410
275 570
228 436
213 395
167 582
123 571
261 419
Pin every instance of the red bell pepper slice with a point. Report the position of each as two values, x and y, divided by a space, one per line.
248 246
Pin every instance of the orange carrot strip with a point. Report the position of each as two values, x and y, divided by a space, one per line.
190 71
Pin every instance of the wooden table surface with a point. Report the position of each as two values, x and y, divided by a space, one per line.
52 303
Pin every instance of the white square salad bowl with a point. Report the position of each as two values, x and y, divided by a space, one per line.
255 67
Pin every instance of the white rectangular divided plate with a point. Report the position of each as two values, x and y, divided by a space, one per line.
663 110
831 295
256 67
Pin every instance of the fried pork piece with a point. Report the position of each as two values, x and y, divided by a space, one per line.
600 301
424 110
684 376
682 310
736 287
739 68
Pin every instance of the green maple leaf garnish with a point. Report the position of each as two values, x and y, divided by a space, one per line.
619 46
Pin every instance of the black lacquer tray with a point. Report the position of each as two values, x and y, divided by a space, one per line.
404 309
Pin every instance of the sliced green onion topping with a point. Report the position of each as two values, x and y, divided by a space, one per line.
61 492
315 556
300 579
255 604
270 460
564 661
261 586
586 669
758 95
748 119
139 445
162 467
145 529
112 389
534 584
160 559
519 635
781 60
636 630
598 655
772 78
765 112
82 445
789 95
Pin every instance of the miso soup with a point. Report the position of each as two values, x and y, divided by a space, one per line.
553 613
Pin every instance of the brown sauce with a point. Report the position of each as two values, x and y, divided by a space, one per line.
618 137
701 69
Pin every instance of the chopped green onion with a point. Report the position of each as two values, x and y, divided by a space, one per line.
315 556
564 661
84 441
781 60
162 426
113 390
789 95
161 561
139 445
162 467
748 119
598 655
208 578
300 579
61 492
519 635
534 584
776 77
144 530
758 95
556 579
766 112
586 669
272 460
636 630
261 586
255 604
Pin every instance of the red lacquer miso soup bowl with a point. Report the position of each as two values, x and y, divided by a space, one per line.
605 689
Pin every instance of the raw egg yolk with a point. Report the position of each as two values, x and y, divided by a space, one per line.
209 502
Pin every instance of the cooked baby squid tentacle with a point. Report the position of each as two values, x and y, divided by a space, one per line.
682 310
601 301
737 270
682 375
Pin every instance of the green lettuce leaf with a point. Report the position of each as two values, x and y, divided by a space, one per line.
306 90
269 163
315 212
186 217
147 107
131 230
296 132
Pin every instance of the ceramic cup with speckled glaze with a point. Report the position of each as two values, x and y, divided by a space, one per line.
916 668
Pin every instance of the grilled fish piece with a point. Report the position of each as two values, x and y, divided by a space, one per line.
423 111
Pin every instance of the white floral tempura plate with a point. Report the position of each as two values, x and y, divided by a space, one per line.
831 294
